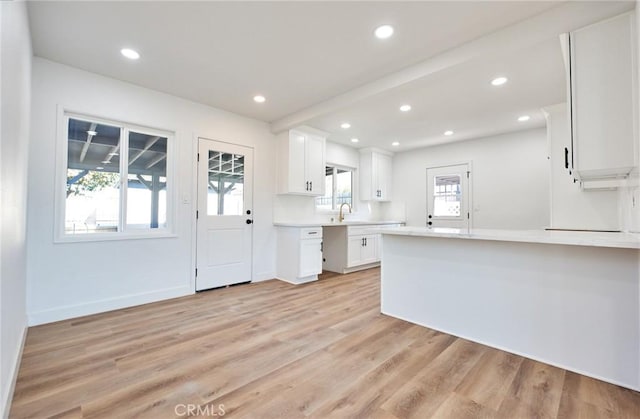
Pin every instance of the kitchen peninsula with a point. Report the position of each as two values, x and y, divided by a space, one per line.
569 299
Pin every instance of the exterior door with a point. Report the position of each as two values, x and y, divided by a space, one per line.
448 197
225 214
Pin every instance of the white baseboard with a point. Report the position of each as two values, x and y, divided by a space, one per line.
8 397
100 306
301 281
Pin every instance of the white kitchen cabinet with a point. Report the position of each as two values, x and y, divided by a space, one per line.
351 248
301 162
603 106
299 257
363 249
572 207
375 175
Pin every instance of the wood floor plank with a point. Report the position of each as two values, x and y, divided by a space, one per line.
423 394
488 382
272 349
539 386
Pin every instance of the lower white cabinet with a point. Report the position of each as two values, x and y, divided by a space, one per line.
362 249
299 254
351 248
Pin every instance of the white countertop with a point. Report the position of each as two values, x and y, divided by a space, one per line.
575 238
336 224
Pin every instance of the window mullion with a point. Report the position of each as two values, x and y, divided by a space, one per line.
334 183
124 176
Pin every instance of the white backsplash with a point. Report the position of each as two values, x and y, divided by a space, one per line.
297 209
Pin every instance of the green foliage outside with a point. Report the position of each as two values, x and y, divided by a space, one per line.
92 181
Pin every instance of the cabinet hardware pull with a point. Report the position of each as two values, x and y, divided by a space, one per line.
362 242
311 185
566 158
365 241
307 187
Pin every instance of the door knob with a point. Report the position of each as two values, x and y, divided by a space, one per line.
249 221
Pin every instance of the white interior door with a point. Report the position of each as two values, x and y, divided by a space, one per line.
448 196
225 214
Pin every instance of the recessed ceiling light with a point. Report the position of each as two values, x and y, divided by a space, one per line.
405 108
99 168
106 161
130 54
345 125
384 31
259 98
113 154
524 118
395 144
499 81
448 133
93 133
354 140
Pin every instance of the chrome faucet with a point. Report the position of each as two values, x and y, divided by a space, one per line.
341 217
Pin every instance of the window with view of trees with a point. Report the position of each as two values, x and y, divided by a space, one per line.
338 188
116 177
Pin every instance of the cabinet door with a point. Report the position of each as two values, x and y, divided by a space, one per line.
315 165
602 84
383 176
354 251
310 258
297 179
369 253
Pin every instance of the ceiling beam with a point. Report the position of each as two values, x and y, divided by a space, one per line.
150 142
156 161
85 147
566 17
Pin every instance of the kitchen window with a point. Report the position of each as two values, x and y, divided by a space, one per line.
338 188
116 179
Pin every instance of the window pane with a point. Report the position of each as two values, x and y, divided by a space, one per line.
93 178
147 181
344 187
446 196
225 194
326 201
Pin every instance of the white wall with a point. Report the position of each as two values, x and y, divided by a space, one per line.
510 179
15 88
294 208
72 279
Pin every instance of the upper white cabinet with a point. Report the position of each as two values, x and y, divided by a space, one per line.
301 162
601 64
375 175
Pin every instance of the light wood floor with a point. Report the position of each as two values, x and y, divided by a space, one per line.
274 350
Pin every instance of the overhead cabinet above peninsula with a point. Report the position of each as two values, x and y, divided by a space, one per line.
301 161
601 65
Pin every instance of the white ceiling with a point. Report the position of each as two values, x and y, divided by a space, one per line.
460 99
310 59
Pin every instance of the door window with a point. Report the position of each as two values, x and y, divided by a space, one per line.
446 195
225 193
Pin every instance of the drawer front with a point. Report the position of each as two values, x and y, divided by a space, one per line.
359 230
311 233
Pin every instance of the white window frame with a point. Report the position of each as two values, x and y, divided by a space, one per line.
123 232
334 209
